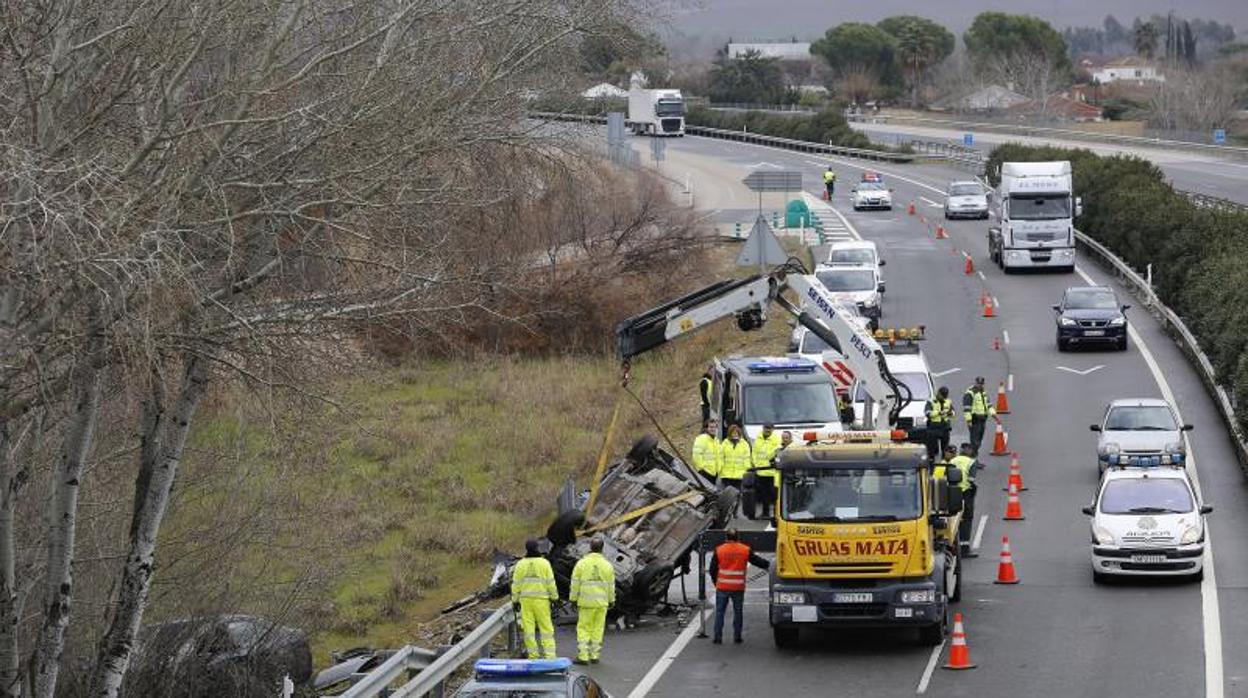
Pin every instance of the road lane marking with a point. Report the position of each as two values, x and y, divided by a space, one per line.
1009 383
931 203
1005 336
979 533
981 275
669 656
1210 610
931 666
995 303
938 374
1077 372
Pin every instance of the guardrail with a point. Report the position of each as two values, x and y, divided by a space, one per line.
1174 326
432 676
1206 201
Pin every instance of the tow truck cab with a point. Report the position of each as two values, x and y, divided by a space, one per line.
794 394
865 537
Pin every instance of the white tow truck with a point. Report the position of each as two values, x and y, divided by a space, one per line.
1035 208
656 112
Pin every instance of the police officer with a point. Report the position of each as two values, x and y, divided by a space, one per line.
977 409
939 412
706 456
844 409
829 181
533 588
593 592
704 392
734 458
728 573
766 446
965 461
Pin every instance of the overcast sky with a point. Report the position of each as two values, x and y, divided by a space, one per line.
759 19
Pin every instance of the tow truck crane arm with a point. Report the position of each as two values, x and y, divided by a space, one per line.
748 300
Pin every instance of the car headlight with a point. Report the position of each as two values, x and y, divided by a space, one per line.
789 597
1175 448
871 302
1110 449
919 596
1192 534
1118 322
1066 322
1102 535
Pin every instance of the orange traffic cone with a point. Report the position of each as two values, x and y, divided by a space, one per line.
910 208
988 304
1003 403
970 266
1016 475
959 653
998 442
1013 508
940 233
1005 570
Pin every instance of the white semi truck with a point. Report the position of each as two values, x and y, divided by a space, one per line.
656 112
1035 207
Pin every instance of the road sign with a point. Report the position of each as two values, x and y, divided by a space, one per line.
1219 136
658 146
762 248
968 139
774 180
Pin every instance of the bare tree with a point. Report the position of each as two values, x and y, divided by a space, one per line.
1194 99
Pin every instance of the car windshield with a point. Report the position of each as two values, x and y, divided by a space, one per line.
1091 299
851 256
966 190
1146 496
847 279
1156 418
790 403
669 108
1039 207
812 344
851 494
871 186
920 387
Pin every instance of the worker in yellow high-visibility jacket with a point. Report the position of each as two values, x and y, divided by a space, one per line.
533 588
593 592
706 458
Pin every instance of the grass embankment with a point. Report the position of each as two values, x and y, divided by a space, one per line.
404 493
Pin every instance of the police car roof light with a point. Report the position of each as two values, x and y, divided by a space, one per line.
521 667
786 365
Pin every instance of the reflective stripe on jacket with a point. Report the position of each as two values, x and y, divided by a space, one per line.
975 404
593 582
533 578
939 411
706 454
734 460
732 557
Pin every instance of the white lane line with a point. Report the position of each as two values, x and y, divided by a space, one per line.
1005 336
979 533
939 374
1009 383
996 303
1210 610
981 275
931 666
669 656
930 202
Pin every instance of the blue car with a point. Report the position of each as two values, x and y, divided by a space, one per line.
529 678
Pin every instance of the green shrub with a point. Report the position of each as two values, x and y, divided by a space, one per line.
1199 256
827 126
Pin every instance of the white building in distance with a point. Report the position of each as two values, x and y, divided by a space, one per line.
1127 70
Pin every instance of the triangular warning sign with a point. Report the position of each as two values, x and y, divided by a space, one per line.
762 247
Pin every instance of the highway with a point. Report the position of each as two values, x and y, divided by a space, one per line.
1187 170
1056 632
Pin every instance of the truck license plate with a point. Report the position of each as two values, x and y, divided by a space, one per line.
904 612
853 598
1148 558
1094 333
805 614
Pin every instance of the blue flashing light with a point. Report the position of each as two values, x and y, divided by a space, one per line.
795 365
521 667
872 177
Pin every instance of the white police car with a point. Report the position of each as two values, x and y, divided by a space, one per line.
868 194
1147 521
517 678
1140 432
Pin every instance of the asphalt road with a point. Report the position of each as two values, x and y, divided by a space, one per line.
1056 633
1187 170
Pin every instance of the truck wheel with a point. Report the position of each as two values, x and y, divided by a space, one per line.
934 634
786 637
562 531
642 448
651 582
953 573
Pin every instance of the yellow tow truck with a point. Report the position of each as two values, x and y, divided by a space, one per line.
865 537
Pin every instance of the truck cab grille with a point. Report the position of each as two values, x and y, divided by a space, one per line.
852 567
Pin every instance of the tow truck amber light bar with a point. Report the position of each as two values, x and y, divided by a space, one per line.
906 334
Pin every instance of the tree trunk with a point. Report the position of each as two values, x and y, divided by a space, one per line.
63 524
10 659
161 454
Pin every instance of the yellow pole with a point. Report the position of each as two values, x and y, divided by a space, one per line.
602 455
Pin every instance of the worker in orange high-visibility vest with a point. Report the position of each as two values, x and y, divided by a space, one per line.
728 572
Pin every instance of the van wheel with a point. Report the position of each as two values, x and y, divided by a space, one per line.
786 637
651 582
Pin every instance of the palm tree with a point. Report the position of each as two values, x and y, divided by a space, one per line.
1145 39
916 50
